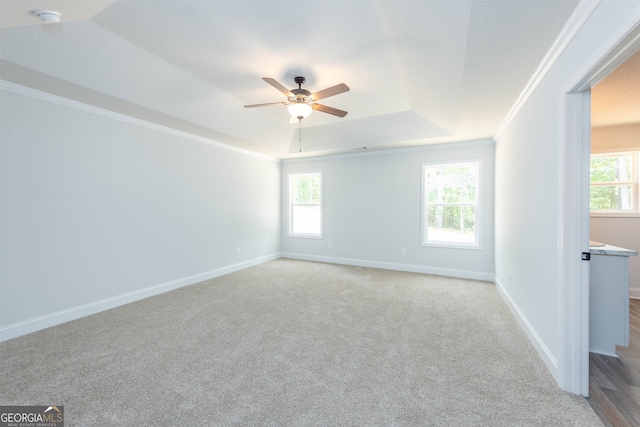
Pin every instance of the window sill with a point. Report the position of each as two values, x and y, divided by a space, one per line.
306 236
451 246
614 214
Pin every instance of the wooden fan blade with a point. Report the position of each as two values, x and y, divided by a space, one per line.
266 105
331 91
329 110
278 86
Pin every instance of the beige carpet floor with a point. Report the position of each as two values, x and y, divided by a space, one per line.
295 343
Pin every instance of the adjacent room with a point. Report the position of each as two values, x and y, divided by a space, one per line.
614 337
313 213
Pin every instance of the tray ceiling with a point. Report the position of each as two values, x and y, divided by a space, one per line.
420 72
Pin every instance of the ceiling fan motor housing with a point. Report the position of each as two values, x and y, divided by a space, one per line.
301 93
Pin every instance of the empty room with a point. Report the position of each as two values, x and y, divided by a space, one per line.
318 212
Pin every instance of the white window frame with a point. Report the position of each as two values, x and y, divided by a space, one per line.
634 182
477 244
292 205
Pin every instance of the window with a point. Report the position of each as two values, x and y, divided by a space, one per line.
305 204
614 183
450 211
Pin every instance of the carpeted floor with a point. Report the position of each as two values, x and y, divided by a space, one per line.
295 343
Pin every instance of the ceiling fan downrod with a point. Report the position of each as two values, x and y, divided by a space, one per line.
300 81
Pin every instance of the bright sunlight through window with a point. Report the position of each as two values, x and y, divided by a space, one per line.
450 213
305 204
614 183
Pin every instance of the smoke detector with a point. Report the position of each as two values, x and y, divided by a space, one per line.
48 16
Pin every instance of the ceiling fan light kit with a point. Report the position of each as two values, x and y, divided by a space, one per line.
301 102
300 110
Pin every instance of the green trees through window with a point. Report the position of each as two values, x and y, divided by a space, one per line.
614 182
305 204
451 203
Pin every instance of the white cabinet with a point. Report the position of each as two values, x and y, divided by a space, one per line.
609 299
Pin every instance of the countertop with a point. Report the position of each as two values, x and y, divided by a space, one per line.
597 248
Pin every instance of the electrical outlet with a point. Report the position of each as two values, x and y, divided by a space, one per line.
404 251
237 251
509 277
330 245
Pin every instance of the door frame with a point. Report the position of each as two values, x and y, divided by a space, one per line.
573 215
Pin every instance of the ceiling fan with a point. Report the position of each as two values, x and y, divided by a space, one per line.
301 102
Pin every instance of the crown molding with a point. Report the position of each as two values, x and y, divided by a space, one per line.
388 152
582 12
90 109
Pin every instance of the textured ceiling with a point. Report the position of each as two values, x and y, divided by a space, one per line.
616 99
420 72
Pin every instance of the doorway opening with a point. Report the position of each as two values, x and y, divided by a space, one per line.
574 216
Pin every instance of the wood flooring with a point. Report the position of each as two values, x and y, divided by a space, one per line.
614 384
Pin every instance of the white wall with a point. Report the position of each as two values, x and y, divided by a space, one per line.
613 138
99 211
372 209
528 171
617 231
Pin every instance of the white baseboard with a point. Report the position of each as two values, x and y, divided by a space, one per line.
634 293
543 351
462 274
32 325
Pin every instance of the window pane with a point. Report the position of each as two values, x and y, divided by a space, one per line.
451 224
305 188
314 192
306 220
451 183
611 197
612 168
451 200
305 204
300 189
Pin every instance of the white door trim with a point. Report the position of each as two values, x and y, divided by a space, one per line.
573 240
573 215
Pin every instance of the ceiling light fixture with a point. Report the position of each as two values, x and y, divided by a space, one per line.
300 110
48 16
